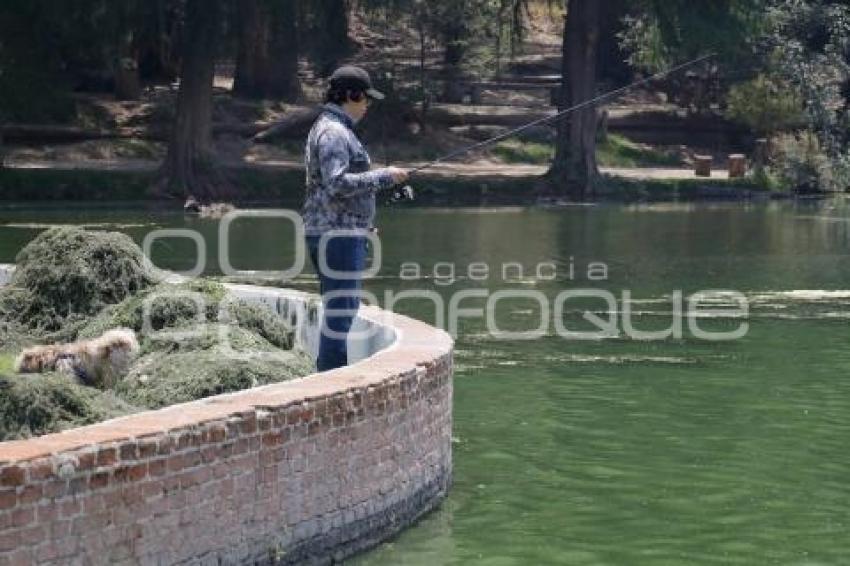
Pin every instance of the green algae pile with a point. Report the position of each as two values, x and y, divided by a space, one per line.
66 274
73 284
49 402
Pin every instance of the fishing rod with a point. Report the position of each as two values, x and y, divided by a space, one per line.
406 192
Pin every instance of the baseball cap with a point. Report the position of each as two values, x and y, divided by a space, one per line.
355 78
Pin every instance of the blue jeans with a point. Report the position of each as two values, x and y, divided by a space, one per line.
346 254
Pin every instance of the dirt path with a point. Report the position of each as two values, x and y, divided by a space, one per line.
475 170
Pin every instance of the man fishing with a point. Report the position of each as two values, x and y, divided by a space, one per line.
341 196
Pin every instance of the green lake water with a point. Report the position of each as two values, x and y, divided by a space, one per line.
611 451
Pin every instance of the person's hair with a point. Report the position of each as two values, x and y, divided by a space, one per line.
341 95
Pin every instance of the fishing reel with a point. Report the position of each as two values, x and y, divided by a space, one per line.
402 194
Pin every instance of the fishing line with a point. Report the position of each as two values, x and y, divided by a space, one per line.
407 190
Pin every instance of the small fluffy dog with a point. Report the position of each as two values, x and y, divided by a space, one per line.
99 362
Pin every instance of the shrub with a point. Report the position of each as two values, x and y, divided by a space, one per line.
801 163
766 105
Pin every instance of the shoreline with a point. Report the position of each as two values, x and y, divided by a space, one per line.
278 182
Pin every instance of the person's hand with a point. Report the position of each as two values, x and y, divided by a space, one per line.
399 175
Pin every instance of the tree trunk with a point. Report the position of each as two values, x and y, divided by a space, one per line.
251 77
283 76
127 83
612 60
188 167
454 36
574 167
333 30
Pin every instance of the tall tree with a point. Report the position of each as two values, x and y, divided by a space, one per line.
574 165
330 33
125 61
659 33
284 47
188 168
252 57
267 53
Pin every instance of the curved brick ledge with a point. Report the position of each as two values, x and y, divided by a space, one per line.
308 471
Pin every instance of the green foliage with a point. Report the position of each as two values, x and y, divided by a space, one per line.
31 85
768 180
615 151
766 105
67 273
475 35
48 49
629 190
201 365
619 151
183 305
31 405
262 321
7 363
659 33
166 305
519 151
808 44
801 162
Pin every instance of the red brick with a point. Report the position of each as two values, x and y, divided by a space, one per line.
46 512
99 480
156 467
70 508
21 557
128 451
107 456
86 460
93 504
138 472
272 438
210 453
56 488
184 440
9 540
13 475
132 495
23 516
78 485
30 494
176 463
264 423
147 448
165 445
293 415
218 434
248 426
33 535
41 469
120 474
8 498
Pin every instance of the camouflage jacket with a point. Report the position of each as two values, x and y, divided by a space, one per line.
340 187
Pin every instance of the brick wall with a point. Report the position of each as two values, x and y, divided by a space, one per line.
310 470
